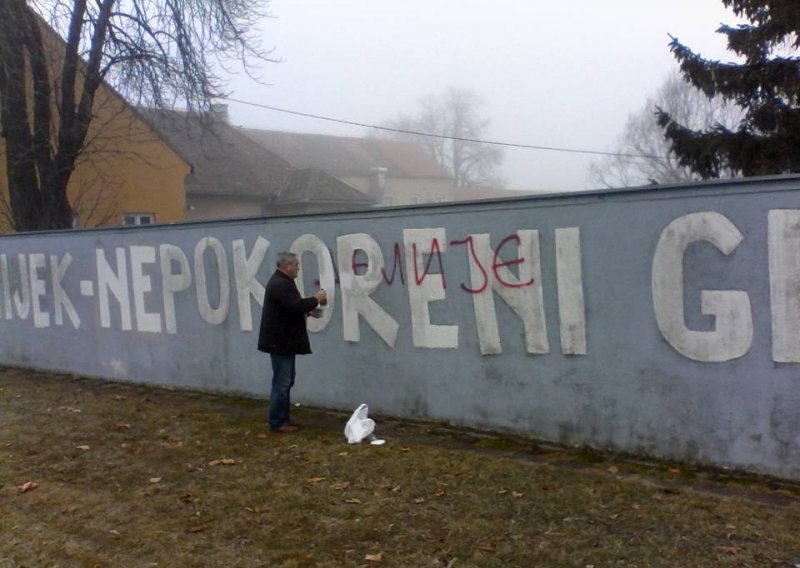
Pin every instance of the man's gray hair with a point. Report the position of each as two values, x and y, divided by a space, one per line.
284 258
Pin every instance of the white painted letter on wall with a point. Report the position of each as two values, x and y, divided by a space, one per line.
62 302
733 329
523 295
214 316
173 282
327 279
245 269
356 289
117 284
145 321
22 297
784 284
571 310
6 283
426 288
38 290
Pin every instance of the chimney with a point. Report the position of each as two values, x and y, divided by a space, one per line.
219 111
377 184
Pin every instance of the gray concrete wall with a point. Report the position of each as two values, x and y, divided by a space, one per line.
659 321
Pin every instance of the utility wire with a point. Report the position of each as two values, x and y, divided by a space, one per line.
431 135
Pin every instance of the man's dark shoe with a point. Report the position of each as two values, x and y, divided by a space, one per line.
286 428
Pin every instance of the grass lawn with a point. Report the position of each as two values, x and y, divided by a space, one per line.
103 474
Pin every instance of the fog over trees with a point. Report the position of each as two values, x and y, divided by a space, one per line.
643 154
458 117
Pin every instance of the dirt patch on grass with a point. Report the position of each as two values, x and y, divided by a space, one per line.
125 475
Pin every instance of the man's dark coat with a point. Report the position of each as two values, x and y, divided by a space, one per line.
283 320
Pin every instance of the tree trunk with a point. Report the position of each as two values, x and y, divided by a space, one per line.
23 182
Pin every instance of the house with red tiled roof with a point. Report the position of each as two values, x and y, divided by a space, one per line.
233 176
390 172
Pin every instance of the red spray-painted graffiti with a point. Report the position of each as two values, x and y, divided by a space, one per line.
398 270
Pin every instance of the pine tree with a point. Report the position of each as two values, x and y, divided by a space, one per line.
765 84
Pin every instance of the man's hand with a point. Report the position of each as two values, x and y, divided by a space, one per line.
322 297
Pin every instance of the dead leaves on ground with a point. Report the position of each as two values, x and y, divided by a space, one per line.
733 550
27 486
337 486
224 461
514 494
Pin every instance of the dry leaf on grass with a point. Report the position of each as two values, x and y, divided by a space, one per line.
84 447
155 480
730 549
374 557
353 501
316 479
198 528
27 486
341 485
224 461
489 547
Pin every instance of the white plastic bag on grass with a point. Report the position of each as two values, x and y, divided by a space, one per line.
359 426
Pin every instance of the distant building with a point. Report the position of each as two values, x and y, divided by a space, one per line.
391 173
233 176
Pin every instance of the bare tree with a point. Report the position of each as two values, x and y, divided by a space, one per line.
455 116
155 52
643 154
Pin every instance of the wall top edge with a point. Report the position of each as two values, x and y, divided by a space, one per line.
777 183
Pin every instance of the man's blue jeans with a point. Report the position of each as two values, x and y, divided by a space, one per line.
282 383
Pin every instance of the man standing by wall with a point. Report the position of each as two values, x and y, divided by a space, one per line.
284 335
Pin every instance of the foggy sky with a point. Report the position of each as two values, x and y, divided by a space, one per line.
564 74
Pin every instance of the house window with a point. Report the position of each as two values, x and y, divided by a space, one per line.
138 219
